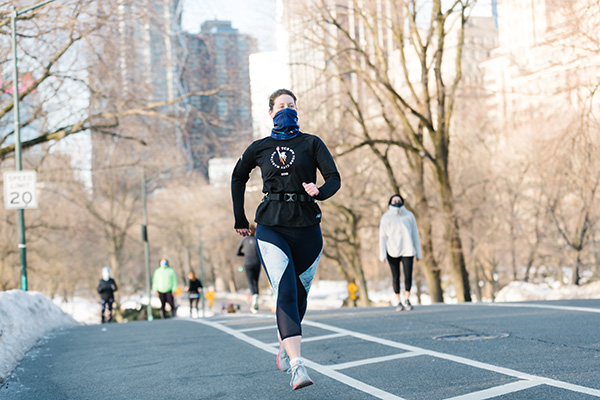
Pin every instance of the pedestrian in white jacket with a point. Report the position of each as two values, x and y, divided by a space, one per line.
399 243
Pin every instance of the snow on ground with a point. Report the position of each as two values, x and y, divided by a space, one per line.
25 317
523 291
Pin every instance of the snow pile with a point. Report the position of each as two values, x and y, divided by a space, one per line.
24 318
524 291
80 308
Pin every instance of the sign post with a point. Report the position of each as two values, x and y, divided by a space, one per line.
16 98
20 193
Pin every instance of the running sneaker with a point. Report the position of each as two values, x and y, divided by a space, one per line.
300 377
283 360
254 306
400 307
407 305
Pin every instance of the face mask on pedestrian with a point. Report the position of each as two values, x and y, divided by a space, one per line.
285 124
106 273
397 204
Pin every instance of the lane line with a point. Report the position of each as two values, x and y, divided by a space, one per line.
315 338
497 391
373 360
363 387
521 305
322 337
460 360
260 328
331 372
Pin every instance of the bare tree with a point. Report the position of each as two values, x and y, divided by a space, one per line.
376 47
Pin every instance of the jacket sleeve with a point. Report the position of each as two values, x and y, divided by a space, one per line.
239 178
114 285
326 165
173 281
382 241
240 248
415 238
154 283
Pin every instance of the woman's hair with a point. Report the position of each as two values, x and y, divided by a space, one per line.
192 274
395 195
278 93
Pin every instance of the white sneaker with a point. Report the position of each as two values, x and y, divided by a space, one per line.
300 377
283 360
254 305
407 305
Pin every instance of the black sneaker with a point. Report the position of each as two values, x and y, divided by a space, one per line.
407 305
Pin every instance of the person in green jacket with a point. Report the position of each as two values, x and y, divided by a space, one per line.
164 283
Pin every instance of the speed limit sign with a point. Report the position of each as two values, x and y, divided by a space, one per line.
20 190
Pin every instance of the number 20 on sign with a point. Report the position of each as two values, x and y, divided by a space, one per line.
20 190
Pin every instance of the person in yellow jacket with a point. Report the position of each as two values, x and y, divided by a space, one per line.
164 283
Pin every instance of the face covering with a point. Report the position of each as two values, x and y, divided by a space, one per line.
106 273
285 124
398 204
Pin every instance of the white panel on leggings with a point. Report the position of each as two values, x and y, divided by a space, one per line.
307 276
275 262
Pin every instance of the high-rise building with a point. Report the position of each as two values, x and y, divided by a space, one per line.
544 66
218 121
135 66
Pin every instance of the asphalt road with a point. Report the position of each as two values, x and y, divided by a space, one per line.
538 350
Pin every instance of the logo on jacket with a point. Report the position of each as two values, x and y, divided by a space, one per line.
283 157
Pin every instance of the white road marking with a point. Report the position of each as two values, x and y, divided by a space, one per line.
497 391
317 367
260 328
460 360
322 337
373 360
522 305
331 371
315 338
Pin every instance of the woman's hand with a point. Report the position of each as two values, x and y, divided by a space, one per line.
311 189
244 232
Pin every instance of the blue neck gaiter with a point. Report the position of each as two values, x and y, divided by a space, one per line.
285 124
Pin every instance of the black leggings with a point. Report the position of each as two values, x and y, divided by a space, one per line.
107 304
164 299
252 274
192 301
290 257
407 263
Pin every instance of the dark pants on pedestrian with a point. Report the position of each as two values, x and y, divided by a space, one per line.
194 298
107 303
164 299
407 264
252 274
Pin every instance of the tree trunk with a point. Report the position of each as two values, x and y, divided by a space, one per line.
363 293
576 269
458 270
429 264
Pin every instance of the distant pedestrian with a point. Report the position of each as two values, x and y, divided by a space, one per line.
164 283
399 243
194 289
249 251
107 288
